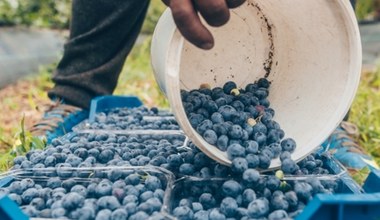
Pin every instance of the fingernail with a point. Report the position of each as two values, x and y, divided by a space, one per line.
207 46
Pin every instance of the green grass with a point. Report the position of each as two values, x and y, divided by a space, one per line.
365 112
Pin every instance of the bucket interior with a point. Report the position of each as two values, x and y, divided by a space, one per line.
309 50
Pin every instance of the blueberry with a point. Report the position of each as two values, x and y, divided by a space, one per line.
279 202
186 169
216 215
228 207
267 151
58 213
130 199
119 214
104 188
152 183
38 203
54 182
235 132
235 150
155 204
251 176
139 215
50 161
159 193
104 214
263 82
291 198
221 101
210 137
276 149
94 152
278 215
289 166
73 160
26 164
285 155
196 206
30 211
288 145
207 200
203 112
210 106
108 202
251 87
248 196
26 184
19 159
220 129
252 147
133 179
239 165
216 118
174 160
68 184
29 194
253 160
131 208
81 190
260 138
228 86
105 156
16 187
258 208
222 142
195 119
204 126
45 213
260 127
238 105
16 198
231 188
303 190
264 161
72 201
201 215
145 196
227 111
221 171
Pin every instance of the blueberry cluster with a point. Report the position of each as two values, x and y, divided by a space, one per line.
134 119
239 122
172 152
115 194
252 197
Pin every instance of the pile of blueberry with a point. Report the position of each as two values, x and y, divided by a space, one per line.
116 194
240 122
243 126
134 119
252 197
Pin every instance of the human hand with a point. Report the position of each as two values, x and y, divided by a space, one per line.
215 12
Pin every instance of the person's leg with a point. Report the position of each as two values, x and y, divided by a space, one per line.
102 34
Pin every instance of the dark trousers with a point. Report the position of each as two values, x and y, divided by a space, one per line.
102 33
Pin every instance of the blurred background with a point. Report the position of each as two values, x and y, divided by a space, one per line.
33 32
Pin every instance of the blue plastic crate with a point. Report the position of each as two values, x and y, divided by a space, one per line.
104 103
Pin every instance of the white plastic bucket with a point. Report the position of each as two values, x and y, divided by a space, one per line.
309 50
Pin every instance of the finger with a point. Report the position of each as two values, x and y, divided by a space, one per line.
166 2
215 12
234 3
189 24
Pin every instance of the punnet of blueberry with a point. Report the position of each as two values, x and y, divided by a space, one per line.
109 194
254 197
